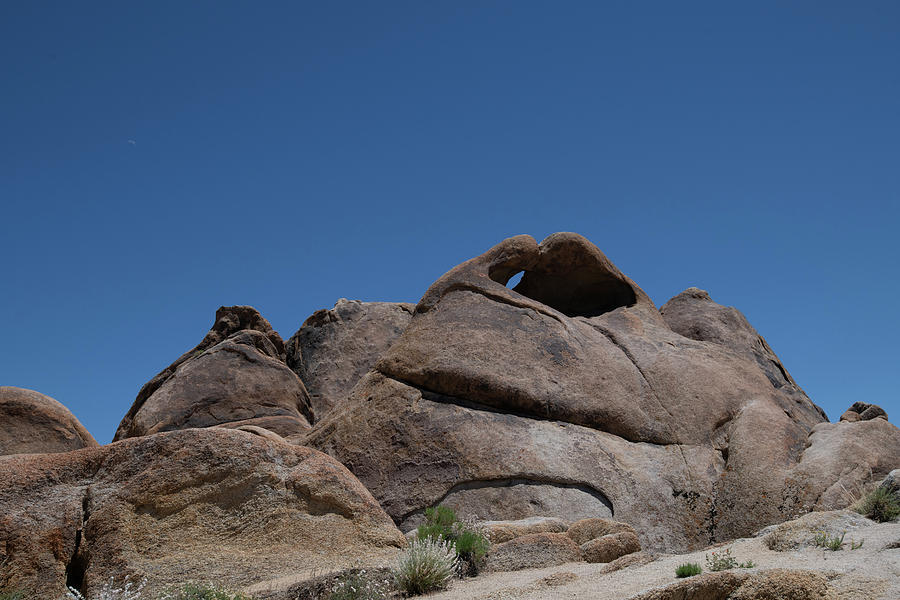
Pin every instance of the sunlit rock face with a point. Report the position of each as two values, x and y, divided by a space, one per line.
32 423
236 376
572 396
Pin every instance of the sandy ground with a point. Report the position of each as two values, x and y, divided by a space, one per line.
871 572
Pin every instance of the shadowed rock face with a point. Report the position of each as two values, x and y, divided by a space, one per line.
33 423
684 424
235 376
202 504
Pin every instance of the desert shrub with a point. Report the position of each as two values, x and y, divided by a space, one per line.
830 542
439 521
110 591
688 570
470 543
360 584
722 560
879 505
426 565
201 591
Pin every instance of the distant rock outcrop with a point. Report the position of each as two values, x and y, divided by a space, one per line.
863 411
204 504
572 396
335 347
236 376
32 423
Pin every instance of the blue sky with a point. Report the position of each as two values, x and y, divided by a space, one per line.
158 160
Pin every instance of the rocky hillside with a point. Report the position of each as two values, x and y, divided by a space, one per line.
567 410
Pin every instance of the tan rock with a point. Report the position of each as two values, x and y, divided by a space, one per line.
708 586
533 551
204 504
586 530
572 396
31 422
635 559
334 348
773 584
782 584
503 531
850 416
610 547
236 375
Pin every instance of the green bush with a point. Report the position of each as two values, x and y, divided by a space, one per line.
360 584
831 542
425 566
439 521
471 545
879 505
201 591
688 570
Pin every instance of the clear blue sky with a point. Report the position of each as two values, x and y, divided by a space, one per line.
160 159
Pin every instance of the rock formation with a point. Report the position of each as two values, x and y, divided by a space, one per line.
572 396
863 411
204 504
236 376
34 423
334 348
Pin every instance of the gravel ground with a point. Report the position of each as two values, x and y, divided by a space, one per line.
871 572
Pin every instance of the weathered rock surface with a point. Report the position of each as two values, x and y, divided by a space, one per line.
533 550
802 532
588 529
775 584
203 504
844 458
334 348
573 391
634 559
235 376
31 422
610 547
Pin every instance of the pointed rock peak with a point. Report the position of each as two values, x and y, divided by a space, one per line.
231 319
565 272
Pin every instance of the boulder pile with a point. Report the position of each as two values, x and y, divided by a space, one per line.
566 413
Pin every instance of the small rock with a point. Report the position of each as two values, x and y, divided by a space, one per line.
892 482
503 531
558 579
635 559
610 547
850 416
586 530
533 551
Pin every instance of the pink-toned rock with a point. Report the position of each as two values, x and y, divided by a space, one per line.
31 422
